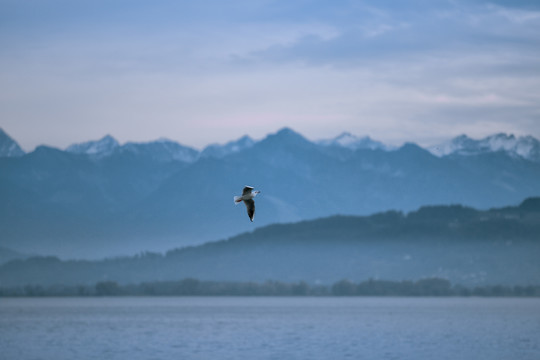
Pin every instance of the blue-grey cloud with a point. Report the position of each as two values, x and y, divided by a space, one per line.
522 4
395 33
392 69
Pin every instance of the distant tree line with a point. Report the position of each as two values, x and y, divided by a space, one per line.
194 287
427 287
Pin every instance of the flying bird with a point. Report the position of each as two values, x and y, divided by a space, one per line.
247 197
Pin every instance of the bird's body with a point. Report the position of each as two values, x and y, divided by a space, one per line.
247 197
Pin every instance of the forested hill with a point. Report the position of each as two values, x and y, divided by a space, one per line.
464 245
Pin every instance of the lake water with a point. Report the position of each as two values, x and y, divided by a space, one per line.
269 328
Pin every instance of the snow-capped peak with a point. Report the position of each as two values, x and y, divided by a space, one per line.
456 145
162 150
347 139
102 147
353 142
526 147
219 151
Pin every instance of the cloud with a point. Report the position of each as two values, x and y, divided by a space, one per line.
520 4
400 71
391 33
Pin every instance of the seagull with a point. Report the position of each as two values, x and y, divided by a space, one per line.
247 197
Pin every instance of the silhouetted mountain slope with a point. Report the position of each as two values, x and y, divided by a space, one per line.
8 255
464 245
158 195
55 200
8 146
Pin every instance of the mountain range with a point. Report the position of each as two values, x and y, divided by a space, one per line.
526 147
464 245
101 198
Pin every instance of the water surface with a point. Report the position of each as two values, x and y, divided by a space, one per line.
269 328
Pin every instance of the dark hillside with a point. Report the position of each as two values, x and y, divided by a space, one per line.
461 244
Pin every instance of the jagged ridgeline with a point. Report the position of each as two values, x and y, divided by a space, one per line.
102 198
466 246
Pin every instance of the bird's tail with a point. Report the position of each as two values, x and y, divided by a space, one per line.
237 199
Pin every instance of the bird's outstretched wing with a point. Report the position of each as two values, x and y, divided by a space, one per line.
247 190
250 205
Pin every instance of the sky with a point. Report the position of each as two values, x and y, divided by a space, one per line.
201 72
